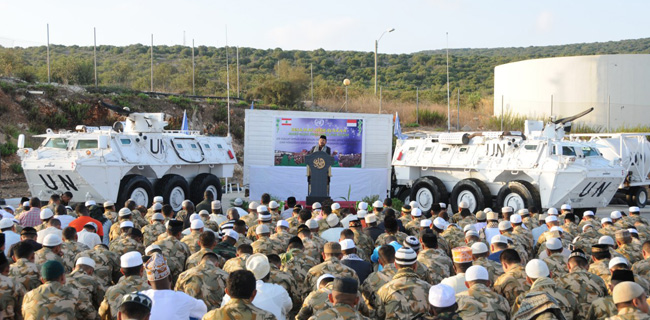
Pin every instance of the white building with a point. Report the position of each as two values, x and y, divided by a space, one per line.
617 86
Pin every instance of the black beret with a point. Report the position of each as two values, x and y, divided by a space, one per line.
345 285
175 225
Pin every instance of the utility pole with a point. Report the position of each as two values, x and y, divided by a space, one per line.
417 105
95 53
193 92
237 71
48 53
151 62
458 111
379 100
311 70
448 105
227 81
376 44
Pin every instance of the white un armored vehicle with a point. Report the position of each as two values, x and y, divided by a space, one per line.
135 159
537 168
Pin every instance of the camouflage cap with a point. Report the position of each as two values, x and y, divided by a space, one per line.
345 285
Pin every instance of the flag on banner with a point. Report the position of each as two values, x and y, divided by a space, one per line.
286 121
352 123
398 128
253 105
185 127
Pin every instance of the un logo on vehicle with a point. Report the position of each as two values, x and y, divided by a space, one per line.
319 163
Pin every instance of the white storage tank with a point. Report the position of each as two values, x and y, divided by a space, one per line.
617 86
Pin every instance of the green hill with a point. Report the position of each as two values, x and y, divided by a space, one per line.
282 77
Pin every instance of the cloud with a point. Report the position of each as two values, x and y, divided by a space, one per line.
544 22
311 34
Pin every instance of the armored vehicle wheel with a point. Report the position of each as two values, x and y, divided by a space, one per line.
135 187
472 191
202 183
174 189
518 195
637 196
428 190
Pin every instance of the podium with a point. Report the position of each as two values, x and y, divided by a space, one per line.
319 171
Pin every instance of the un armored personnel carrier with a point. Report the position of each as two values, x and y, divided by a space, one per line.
135 159
537 168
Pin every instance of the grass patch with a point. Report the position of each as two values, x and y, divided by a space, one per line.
7 149
16 168
431 118
511 122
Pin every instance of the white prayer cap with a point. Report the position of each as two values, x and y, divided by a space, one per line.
565 206
442 296
463 205
606 240
196 224
440 223
371 218
479 247
627 291
86 261
584 227
605 220
474 273
158 216
252 205
152 248
426 223
416 212
238 202
204 212
632 230
471 233
126 224
405 256
332 220
515 218
90 203
347 244
323 277
273 204
6 223
615 215
505 225
588 213
442 205
363 205
486 210
124 212
262 208
262 229
507 209
108 204
156 206
282 223
52 240
316 205
616 261
232 234
362 213
26 204
131 259
550 219
377 204
259 265
46 214
536 269
158 199
554 244
414 204
195 216
215 205
312 224
552 211
335 206
412 242
499 239
557 228
634 209
469 227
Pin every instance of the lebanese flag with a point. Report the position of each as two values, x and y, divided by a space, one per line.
286 121
352 123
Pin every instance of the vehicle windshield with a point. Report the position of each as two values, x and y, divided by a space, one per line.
58 143
568 151
590 152
86 144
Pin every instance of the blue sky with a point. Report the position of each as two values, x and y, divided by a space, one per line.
331 25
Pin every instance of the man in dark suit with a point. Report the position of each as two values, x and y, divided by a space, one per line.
361 267
321 146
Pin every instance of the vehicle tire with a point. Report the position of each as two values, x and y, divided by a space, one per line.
405 195
518 195
174 190
205 182
135 187
637 196
474 191
427 191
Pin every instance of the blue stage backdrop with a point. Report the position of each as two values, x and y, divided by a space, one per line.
294 137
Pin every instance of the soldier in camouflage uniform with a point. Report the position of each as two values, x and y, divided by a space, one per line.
537 275
11 292
207 222
173 249
239 261
608 228
443 303
131 267
207 241
479 302
344 301
284 279
391 226
405 296
513 282
282 235
539 306
405 215
588 218
332 265
587 286
55 300
264 218
525 234
240 227
318 299
570 226
642 267
377 279
586 239
70 248
124 215
226 248
107 265
480 255
24 270
433 257
298 266
206 281
555 259
454 236
625 247
51 250
630 299
604 307
312 248
600 265
83 280
264 244
192 239
131 240
151 231
241 289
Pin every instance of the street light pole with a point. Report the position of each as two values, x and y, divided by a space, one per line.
377 45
